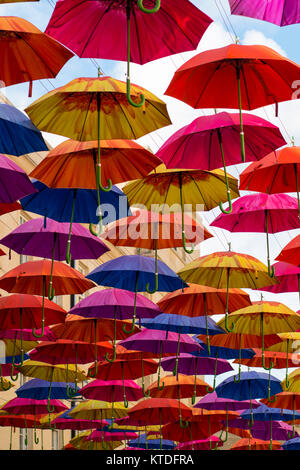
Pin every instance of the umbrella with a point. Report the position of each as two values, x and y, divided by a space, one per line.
279 12
159 342
285 400
262 429
210 142
27 311
275 173
264 317
272 214
112 390
251 385
255 444
195 299
181 190
144 442
202 444
291 252
139 274
96 108
18 136
57 241
63 421
15 183
263 413
182 324
292 444
181 26
51 372
149 230
27 53
33 277
6 207
71 164
254 76
225 270
288 276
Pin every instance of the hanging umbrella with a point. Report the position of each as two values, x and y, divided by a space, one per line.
261 213
279 12
19 421
264 318
26 333
144 442
253 76
6 208
275 173
175 190
27 53
52 372
27 311
251 385
71 164
18 136
155 231
33 277
255 444
112 390
182 324
288 276
15 184
209 142
79 442
225 270
288 401
292 383
57 241
124 24
138 278
292 444
202 444
97 108
197 300
63 421
263 413
291 252
159 342
262 429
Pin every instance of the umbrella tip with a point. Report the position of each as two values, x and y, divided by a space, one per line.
293 141
237 40
100 73
229 246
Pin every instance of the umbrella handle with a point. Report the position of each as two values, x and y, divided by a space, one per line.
238 379
146 393
158 373
107 188
215 375
36 439
184 244
53 428
271 270
134 308
155 286
182 220
13 378
43 313
229 210
129 99
51 293
148 10
93 232
181 424
113 358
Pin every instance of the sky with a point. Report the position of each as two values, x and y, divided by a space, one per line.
156 76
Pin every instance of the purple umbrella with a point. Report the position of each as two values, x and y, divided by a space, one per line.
160 342
280 12
118 304
14 183
194 365
262 429
210 142
34 239
269 213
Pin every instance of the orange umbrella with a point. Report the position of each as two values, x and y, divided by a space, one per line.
255 444
72 164
27 53
34 277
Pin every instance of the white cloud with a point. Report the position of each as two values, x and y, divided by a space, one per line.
257 37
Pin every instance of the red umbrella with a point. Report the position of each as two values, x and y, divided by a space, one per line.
253 76
112 390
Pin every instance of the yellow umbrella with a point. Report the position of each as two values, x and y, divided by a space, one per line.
171 190
97 109
14 346
225 270
264 318
50 372
293 381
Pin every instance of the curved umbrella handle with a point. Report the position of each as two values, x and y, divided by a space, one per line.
68 254
4 388
93 232
51 292
229 210
148 10
53 428
95 373
184 244
146 393
107 188
271 270
134 308
43 313
49 407
129 99
155 286
238 379
181 424
13 378
36 439
113 358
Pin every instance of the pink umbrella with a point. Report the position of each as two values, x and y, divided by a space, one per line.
111 436
269 213
210 142
112 390
288 276
107 29
280 12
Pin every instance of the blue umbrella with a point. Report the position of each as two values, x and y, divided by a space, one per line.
182 324
135 273
143 442
75 205
251 385
264 413
18 135
292 444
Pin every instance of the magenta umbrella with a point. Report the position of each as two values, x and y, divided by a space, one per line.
210 142
112 390
14 183
123 30
54 241
280 12
118 435
269 213
27 335
161 342
288 276
117 304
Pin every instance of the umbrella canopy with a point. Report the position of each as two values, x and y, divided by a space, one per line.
31 406
18 136
265 430
144 442
182 386
129 369
279 12
255 444
182 324
194 365
291 253
6 208
214 402
50 372
38 389
72 164
202 444
28 53
159 411
288 276
292 444
15 183
96 409
112 390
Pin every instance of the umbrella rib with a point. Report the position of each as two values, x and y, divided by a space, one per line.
206 84
123 112
86 115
